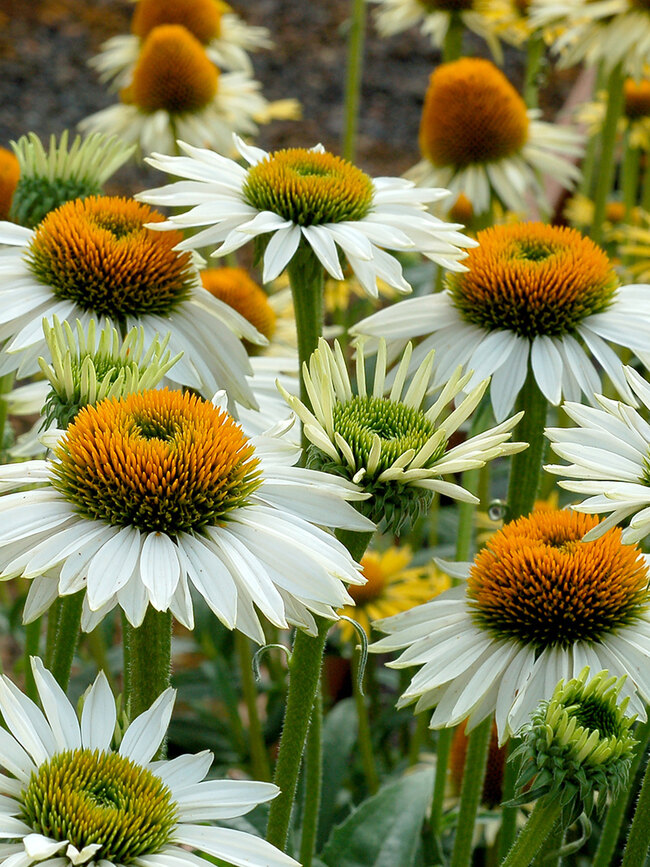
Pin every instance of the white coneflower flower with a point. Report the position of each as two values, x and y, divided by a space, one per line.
158 489
392 447
96 258
71 798
537 606
312 196
536 295
177 92
226 38
478 138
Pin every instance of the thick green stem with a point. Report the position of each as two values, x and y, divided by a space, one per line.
645 191
540 824
550 852
304 677
453 45
618 807
259 756
534 56
148 660
526 466
607 164
356 35
470 793
591 153
638 838
364 740
508 828
630 176
32 647
67 637
313 783
306 276
445 737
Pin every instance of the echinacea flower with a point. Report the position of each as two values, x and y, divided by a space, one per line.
9 174
537 605
393 447
392 585
436 17
71 798
609 460
145 494
478 138
235 287
534 295
50 178
226 38
577 743
96 258
311 196
176 91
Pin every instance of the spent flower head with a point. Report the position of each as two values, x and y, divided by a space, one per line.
49 178
577 744
91 364
394 448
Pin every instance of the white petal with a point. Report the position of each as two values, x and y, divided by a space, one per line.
58 710
146 732
98 716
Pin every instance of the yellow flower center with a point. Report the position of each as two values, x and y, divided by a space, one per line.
98 253
376 579
462 210
472 114
156 460
85 796
201 17
637 98
9 175
309 188
235 288
173 73
533 279
538 583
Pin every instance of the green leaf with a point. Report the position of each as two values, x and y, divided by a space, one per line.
339 738
384 830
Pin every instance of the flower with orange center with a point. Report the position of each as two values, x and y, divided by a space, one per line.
535 297
97 258
390 587
312 198
539 604
226 38
146 493
9 174
175 90
478 138
436 17
234 287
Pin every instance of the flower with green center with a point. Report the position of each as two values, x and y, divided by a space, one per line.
306 197
535 297
393 448
51 178
72 798
150 492
176 91
577 743
436 17
537 604
98 258
226 38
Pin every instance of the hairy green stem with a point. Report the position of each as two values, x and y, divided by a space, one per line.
526 466
638 840
67 637
534 57
148 660
364 740
306 277
257 746
607 164
540 824
470 793
356 35
313 783
508 828
550 852
50 634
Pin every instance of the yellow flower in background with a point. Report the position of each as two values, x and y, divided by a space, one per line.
390 588
340 294
236 288
478 138
634 121
9 175
634 244
510 20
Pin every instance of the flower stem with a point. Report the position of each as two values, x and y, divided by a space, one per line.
618 807
591 153
148 659
364 739
608 145
534 56
356 35
526 466
50 635
453 45
638 838
259 756
313 783
508 828
540 824
630 175
306 276
32 646
470 793
66 637
445 737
